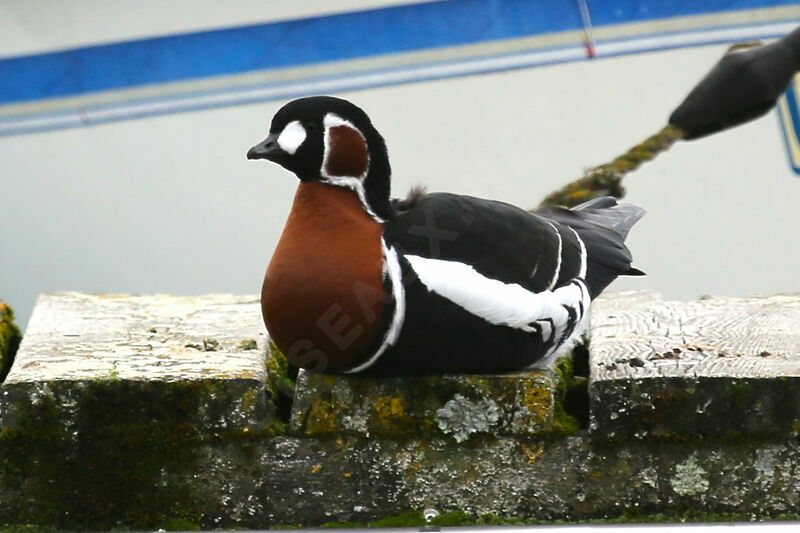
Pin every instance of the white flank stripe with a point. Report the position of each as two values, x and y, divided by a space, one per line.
558 259
398 292
582 269
507 304
557 350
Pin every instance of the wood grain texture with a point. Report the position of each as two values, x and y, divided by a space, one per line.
82 337
715 366
755 337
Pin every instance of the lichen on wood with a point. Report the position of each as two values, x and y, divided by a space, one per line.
171 453
457 406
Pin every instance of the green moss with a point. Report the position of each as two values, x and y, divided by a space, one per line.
389 413
605 180
453 518
248 344
279 382
341 525
519 404
23 528
409 519
120 455
280 387
539 402
10 338
738 395
180 524
323 417
563 422
462 518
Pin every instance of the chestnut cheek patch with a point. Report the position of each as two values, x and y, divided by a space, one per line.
346 154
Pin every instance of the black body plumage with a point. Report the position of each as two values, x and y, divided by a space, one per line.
505 243
470 285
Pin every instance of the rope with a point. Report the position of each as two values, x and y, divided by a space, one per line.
605 180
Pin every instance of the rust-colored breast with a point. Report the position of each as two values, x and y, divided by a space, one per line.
322 297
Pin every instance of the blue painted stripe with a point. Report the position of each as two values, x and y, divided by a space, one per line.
278 45
319 40
91 113
605 12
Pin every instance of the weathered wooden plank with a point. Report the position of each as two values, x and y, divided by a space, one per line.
136 438
712 366
453 406
208 347
76 336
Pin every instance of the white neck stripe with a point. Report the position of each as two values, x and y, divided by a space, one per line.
357 186
332 120
392 266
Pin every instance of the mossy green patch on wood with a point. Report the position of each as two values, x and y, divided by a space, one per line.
678 408
563 422
98 469
102 454
458 406
23 528
411 519
460 518
280 386
278 380
10 338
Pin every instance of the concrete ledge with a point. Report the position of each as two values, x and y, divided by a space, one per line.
712 367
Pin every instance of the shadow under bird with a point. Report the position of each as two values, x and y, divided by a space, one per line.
434 283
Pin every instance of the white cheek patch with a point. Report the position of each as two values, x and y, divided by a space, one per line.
292 137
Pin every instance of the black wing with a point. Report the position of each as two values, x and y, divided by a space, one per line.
539 251
602 224
499 240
